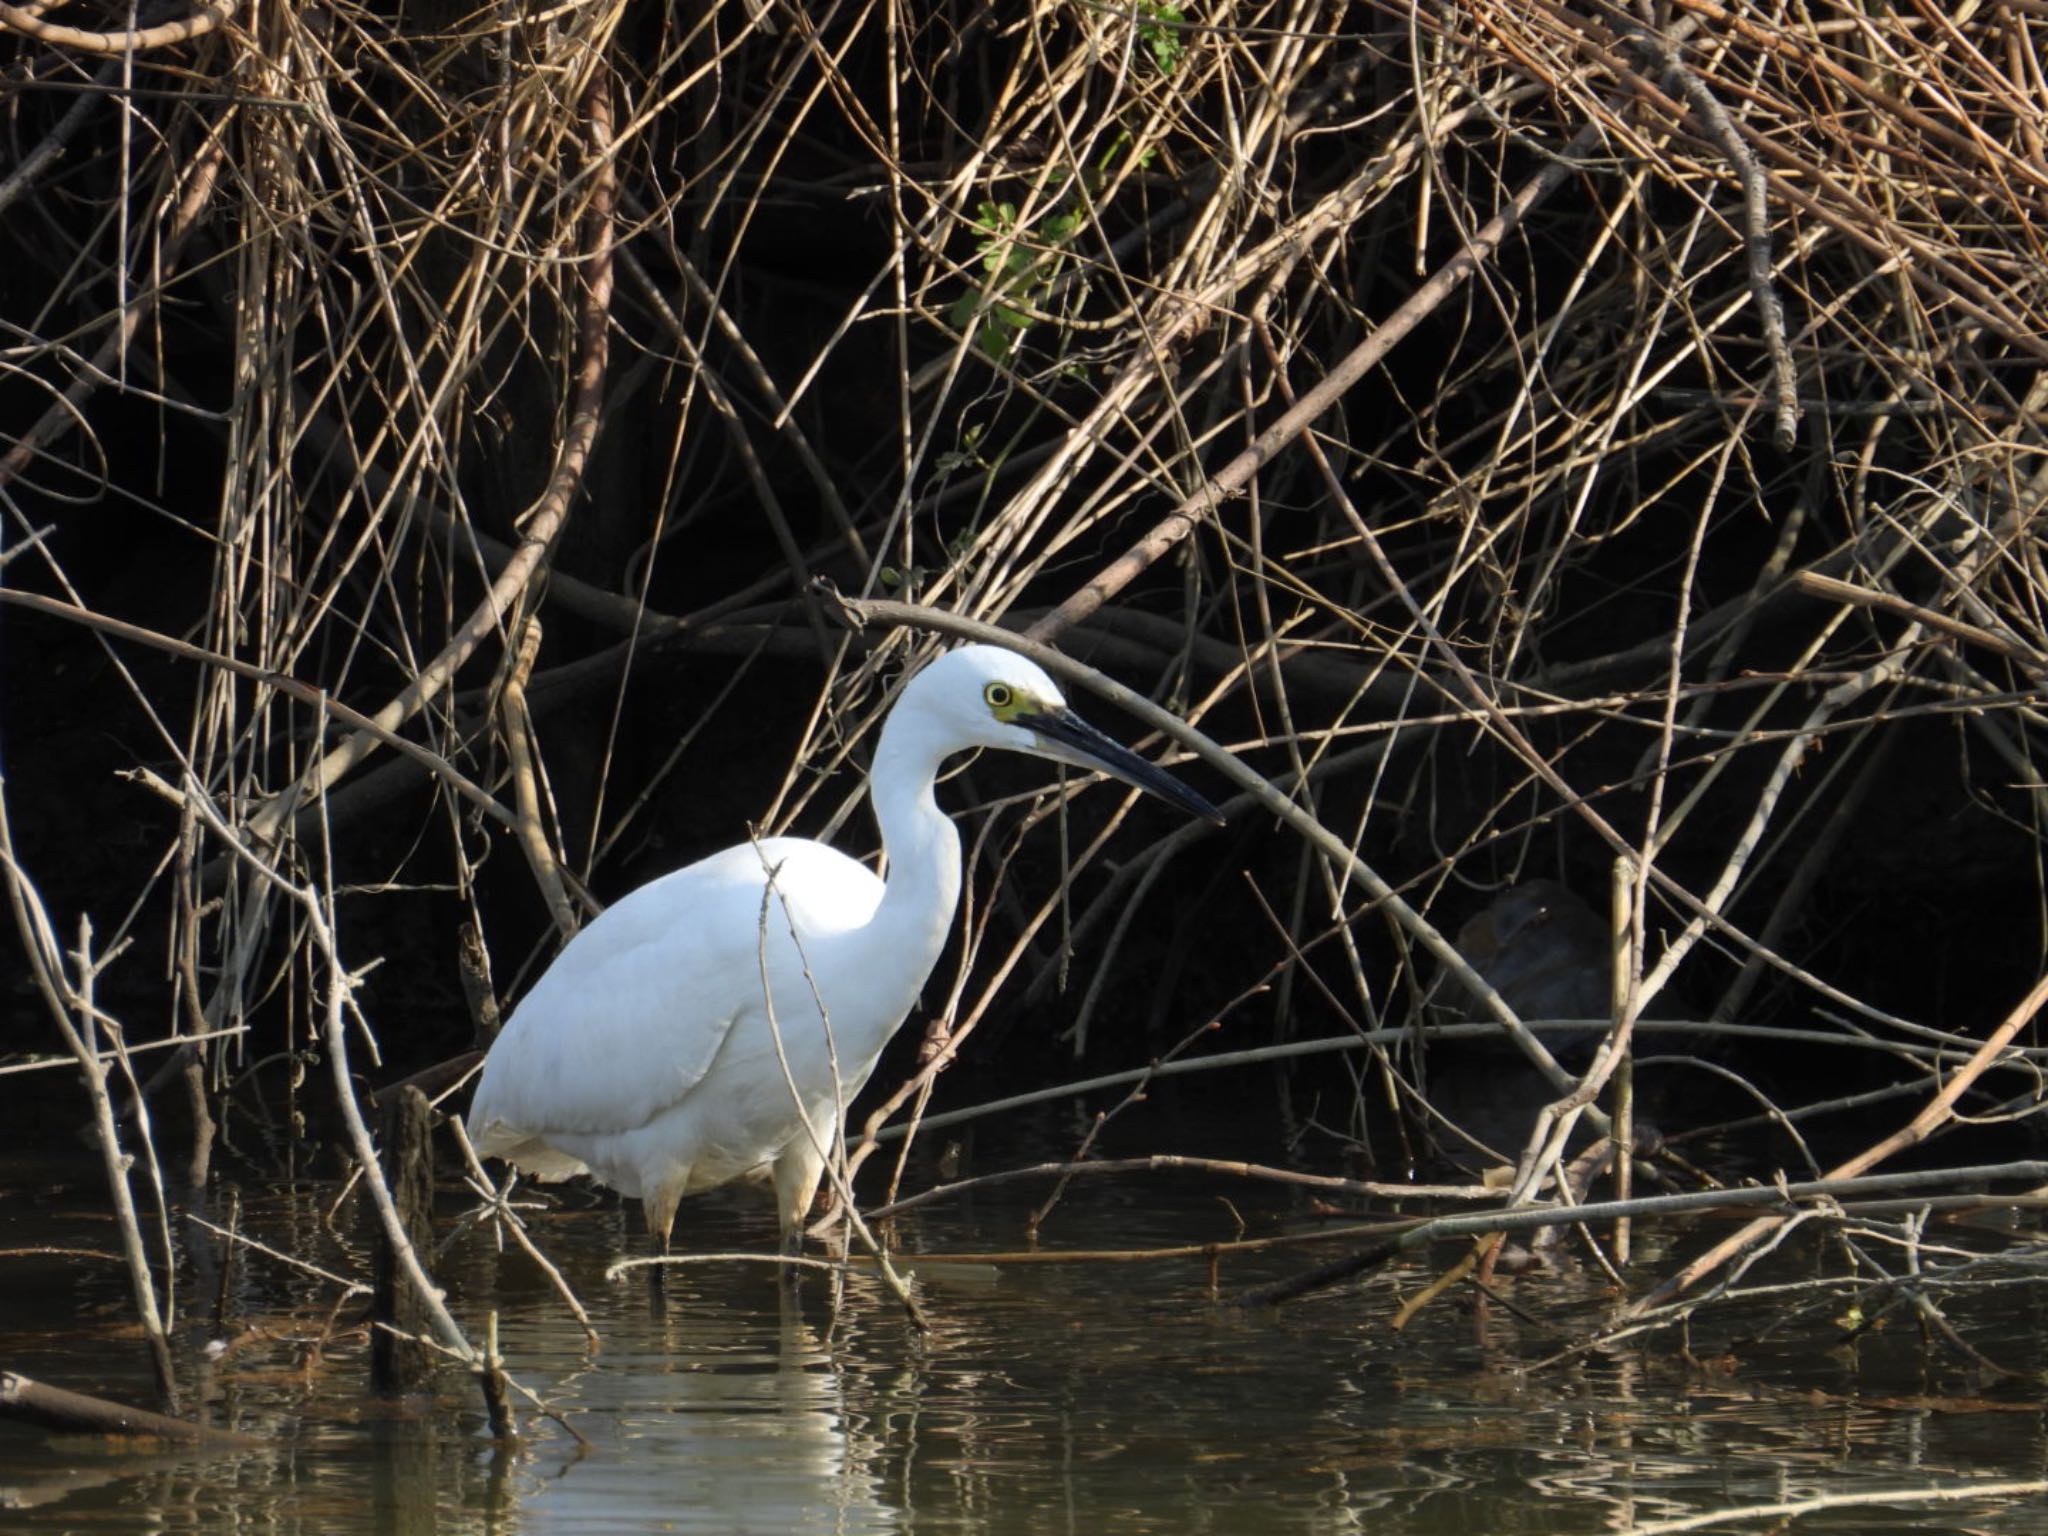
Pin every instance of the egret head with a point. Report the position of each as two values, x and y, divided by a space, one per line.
984 696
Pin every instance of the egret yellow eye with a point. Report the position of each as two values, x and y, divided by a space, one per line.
999 695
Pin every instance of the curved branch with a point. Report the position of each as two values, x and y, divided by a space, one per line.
139 40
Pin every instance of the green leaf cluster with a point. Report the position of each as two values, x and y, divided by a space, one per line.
1020 272
1159 29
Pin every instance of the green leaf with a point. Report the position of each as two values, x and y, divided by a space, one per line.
1160 32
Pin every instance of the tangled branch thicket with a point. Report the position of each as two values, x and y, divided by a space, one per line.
1545 439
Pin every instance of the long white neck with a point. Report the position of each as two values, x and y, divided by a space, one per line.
923 847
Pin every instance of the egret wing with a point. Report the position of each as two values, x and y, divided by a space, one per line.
633 1013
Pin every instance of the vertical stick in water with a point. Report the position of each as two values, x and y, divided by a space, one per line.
399 1361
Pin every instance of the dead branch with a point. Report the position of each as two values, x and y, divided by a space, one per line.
140 40
78 1021
1834 1192
28 1401
1939 1111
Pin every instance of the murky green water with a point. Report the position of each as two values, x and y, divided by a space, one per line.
1079 1398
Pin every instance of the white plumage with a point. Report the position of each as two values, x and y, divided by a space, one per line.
647 1054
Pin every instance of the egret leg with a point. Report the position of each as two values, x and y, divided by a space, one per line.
792 1247
657 1287
660 1210
797 1173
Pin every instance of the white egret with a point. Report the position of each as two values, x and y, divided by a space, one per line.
713 1024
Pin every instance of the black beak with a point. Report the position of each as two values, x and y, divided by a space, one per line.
1067 738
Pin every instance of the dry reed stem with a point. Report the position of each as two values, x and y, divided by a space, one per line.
543 523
